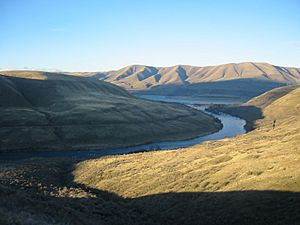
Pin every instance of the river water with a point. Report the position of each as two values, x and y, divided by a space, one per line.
232 126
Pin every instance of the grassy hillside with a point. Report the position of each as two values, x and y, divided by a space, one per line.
264 159
253 110
40 110
243 80
250 179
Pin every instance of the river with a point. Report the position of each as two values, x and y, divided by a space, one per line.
232 126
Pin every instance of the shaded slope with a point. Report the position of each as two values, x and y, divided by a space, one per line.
53 111
241 89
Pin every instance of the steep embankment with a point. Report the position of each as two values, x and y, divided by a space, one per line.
41 110
241 80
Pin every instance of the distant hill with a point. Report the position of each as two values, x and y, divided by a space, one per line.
40 111
244 80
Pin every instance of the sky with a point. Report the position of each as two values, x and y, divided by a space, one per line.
100 35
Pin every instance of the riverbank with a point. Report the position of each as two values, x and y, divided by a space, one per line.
231 126
252 110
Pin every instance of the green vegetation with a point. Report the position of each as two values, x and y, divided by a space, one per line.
40 111
250 179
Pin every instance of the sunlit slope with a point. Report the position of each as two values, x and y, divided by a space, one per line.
238 80
264 159
142 77
41 111
254 110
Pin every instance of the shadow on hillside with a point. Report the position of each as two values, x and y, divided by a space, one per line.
233 207
55 89
238 88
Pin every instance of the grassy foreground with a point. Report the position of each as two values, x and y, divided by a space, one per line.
250 179
40 111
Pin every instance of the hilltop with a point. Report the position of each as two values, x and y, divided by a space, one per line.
237 80
53 111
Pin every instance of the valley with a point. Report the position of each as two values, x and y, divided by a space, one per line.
150 112
250 178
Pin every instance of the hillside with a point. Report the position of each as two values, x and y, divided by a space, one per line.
253 110
40 111
264 160
242 80
250 179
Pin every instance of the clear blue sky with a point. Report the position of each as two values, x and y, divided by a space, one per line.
95 35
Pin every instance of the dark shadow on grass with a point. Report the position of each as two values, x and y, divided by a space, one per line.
234 207
101 207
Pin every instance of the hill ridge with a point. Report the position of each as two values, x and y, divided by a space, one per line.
196 74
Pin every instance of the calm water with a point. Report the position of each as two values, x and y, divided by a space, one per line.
232 126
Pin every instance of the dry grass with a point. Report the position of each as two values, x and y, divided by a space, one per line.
39 193
253 110
35 193
264 159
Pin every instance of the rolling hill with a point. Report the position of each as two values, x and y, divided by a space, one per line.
242 80
249 179
52 111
